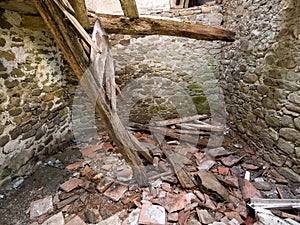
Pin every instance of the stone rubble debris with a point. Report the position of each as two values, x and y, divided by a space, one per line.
102 190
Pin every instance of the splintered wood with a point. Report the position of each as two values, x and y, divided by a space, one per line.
193 130
102 94
197 133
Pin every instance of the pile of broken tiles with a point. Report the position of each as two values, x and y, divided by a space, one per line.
103 191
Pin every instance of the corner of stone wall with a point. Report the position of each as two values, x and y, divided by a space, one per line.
261 78
34 96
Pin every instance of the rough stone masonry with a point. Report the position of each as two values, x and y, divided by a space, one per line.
34 96
261 78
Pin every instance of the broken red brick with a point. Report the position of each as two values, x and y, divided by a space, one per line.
223 170
86 170
172 203
116 191
138 134
247 166
231 181
91 151
183 217
108 146
248 190
67 201
71 184
231 160
75 165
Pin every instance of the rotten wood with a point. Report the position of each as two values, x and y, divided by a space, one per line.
204 127
102 64
77 25
180 120
81 13
185 178
200 141
129 8
67 39
150 26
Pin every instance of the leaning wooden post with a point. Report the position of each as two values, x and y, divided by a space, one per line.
67 39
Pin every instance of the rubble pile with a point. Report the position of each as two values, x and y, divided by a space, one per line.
188 185
229 183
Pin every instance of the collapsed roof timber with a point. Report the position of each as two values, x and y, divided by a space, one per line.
53 13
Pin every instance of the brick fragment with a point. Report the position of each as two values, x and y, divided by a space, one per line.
116 191
71 184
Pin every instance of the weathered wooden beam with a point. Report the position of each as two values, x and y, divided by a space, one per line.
199 141
129 8
150 26
180 120
81 13
67 39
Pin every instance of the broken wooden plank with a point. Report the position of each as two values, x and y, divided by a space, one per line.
102 64
81 13
204 127
185 179
150 26
180 120
129 8
199 141
78 26
67 39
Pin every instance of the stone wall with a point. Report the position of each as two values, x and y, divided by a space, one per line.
261 78
114 6
34 112
163 77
